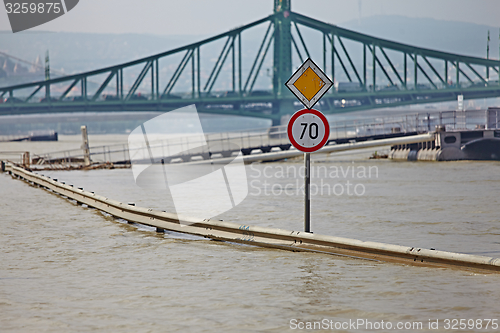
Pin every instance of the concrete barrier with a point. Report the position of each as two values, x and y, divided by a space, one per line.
262 236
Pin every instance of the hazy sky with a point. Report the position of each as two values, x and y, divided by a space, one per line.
207 17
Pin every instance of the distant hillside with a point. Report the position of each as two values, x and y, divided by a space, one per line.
77 52
450 36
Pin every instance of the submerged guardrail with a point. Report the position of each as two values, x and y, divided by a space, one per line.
261 236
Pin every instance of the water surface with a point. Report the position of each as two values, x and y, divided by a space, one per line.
68 268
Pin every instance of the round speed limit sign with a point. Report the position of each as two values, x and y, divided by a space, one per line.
308 130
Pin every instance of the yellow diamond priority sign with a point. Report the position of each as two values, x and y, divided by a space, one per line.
309 83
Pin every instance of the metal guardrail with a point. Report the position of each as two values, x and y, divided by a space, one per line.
262 236
265 139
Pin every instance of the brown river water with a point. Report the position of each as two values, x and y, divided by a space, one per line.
66 268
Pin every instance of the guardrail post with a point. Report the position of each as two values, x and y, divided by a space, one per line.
85 146
26 159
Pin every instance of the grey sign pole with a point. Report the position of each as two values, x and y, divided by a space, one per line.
85 146
307 191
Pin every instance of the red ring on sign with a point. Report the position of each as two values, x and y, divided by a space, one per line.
325 123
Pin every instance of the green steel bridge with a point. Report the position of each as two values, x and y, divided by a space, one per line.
368 73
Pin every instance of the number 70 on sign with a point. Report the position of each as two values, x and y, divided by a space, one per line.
308 130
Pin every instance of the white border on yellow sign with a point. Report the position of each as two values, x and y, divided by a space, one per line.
309 64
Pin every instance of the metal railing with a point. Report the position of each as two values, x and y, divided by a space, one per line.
267 139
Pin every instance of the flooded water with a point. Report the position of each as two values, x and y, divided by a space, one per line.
68 268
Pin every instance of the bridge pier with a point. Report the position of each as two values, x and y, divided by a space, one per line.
282 111
282 61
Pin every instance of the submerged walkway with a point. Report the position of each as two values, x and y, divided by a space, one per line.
260 236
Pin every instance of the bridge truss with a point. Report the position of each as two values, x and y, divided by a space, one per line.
225 75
